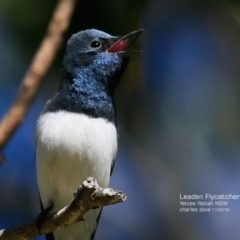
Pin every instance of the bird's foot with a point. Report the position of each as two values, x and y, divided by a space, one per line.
42 215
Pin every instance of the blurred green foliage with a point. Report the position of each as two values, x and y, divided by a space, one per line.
29 18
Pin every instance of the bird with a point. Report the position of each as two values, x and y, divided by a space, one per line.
75 134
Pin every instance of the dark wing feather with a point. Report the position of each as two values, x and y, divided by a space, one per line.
97 222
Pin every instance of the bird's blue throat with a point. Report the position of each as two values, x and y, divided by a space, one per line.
89 89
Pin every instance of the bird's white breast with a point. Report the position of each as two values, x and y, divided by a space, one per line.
69 148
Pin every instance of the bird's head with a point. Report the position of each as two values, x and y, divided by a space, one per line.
96 54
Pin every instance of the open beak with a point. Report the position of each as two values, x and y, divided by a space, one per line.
124 42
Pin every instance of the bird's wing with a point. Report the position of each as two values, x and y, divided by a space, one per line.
112 166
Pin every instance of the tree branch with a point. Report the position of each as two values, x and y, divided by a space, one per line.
88 196
37 70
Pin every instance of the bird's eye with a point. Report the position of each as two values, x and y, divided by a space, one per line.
95 44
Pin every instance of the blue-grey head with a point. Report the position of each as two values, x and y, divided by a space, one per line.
93 65
98 55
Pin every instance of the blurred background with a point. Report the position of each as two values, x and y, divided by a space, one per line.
178 113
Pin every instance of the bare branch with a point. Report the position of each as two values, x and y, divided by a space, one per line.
88 196
37 70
